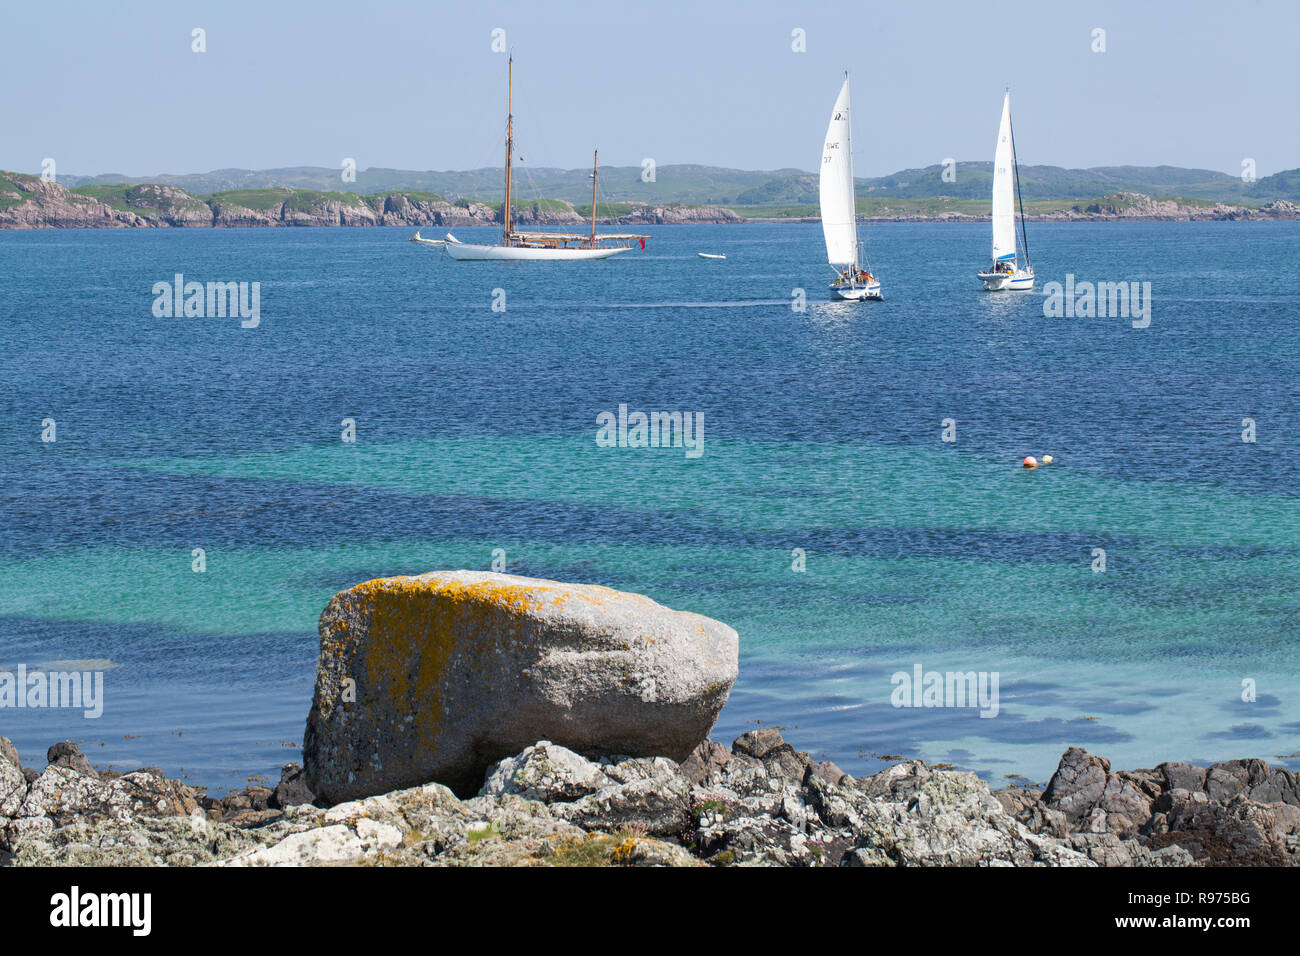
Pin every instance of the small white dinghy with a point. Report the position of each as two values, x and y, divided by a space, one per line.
1006 273
710 255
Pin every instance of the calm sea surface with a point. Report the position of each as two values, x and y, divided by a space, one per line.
822 432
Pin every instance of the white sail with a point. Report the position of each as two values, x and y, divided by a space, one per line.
1004 219
839 224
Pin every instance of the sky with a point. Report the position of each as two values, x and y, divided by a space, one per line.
109 86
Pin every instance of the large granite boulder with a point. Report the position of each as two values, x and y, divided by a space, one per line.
436 677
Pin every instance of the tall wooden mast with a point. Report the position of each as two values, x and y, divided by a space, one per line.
510 131
595 165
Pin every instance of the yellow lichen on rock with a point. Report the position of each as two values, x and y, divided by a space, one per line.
450 671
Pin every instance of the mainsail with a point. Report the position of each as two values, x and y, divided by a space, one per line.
1004 219
839 223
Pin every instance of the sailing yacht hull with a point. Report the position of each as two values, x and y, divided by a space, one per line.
857 293
1007 281
470 251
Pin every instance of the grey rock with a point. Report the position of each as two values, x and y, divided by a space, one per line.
1027 807
1078 784
778 757
1182 776
928 818
759 743
246 819
1126 805
62 796
292 790
896 783
828 772
68 754
645 811
8 752
13 782
1287 816
1016 801
706 759
1281 786
658 806
1239 832
1107 849
453 671
545 772
1223 781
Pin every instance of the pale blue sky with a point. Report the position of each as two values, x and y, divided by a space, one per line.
113 86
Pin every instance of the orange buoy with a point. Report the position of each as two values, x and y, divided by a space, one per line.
1031 462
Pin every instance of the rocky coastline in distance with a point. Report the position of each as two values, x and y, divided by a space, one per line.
30 202
427 685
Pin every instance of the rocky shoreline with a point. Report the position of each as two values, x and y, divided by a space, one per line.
759 803
429 742
1119 207
29 202
1135 207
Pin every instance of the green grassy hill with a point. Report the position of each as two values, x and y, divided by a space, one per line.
687 183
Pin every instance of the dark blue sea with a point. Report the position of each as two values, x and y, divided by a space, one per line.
826 520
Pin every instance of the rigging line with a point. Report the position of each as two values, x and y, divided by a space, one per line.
603 197
1015 163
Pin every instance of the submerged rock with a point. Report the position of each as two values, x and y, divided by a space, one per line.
436 677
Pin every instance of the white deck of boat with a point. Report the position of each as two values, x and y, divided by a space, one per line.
574 236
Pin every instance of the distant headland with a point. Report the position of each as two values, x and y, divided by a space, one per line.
318 196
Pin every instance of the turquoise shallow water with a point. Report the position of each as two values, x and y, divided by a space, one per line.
476 431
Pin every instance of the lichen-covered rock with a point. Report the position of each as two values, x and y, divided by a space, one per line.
645 811
650 796
62 795
436 677
13 782
136 841
545 772
947 819
1107 849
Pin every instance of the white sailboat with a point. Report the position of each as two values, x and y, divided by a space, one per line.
1006 272
517 245
839 212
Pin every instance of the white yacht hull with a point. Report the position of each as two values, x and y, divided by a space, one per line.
857 293
1018 281
473 251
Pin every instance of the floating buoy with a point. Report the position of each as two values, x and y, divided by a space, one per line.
1031 462
1047 459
